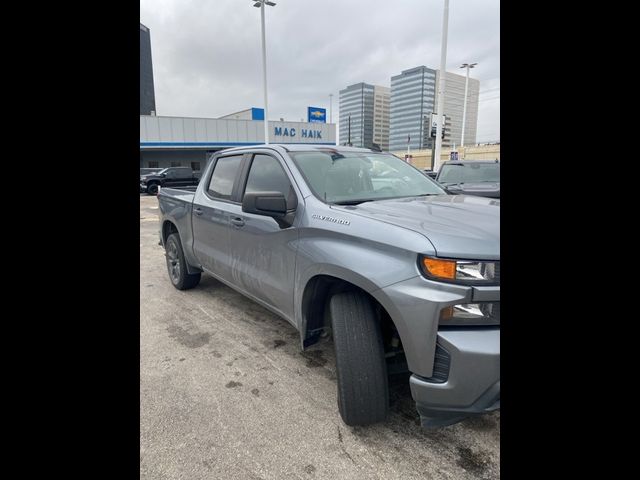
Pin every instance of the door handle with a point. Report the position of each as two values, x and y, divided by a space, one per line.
197 211
237 221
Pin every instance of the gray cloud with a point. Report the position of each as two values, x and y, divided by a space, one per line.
207 54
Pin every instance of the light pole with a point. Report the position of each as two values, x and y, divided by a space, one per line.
260 4
330 109
468 66
441 84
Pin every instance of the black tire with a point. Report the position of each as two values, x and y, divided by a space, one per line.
177 266
363 392
152 189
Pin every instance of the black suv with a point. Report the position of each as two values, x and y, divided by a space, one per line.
472 177
168 177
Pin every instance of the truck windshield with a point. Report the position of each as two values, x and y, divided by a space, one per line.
469 173
164 170
343 177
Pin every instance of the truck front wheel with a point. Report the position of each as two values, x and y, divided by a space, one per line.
363 393
152 189
177 266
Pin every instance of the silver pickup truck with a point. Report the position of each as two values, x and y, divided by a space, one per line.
360 246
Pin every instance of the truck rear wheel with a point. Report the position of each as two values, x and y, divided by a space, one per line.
152 189
363 393
177 265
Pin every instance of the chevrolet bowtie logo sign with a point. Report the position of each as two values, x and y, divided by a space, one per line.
316 115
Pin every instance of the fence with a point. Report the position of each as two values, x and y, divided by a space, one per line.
422 158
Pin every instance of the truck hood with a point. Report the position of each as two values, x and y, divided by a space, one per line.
458 226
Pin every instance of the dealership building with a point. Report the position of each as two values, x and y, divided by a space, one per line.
188 142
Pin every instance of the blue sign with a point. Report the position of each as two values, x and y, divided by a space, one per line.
257 113
316 115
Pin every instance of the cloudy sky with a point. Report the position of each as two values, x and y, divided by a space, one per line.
207 53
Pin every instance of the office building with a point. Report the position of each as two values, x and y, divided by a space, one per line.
147 93
412 103
381 103
414 99
368 108
453 107
356 115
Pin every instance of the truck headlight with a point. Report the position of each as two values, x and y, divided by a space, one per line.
476 314
466 272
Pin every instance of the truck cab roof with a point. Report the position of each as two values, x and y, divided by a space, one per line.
301 147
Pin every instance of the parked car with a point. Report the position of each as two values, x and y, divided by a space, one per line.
168 177
472 177
360 246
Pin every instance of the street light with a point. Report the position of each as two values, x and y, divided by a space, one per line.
260 4
441 83
330 109
468 66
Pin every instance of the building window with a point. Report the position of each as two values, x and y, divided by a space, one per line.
176 164
153 164
195 166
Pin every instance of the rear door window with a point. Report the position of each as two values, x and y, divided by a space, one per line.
224 175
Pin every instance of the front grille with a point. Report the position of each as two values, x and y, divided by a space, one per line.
441 366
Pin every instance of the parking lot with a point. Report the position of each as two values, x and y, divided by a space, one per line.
225 392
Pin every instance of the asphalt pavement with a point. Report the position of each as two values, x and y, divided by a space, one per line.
226 393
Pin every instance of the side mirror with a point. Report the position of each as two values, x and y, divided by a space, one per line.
270 204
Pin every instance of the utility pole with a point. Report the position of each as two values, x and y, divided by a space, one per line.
441 84
466 90
433 154
260 4
330 108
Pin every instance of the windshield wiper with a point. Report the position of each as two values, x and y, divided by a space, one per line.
357 202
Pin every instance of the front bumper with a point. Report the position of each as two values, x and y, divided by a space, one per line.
468 382
143 187
472 383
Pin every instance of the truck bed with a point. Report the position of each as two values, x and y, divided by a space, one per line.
176 205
